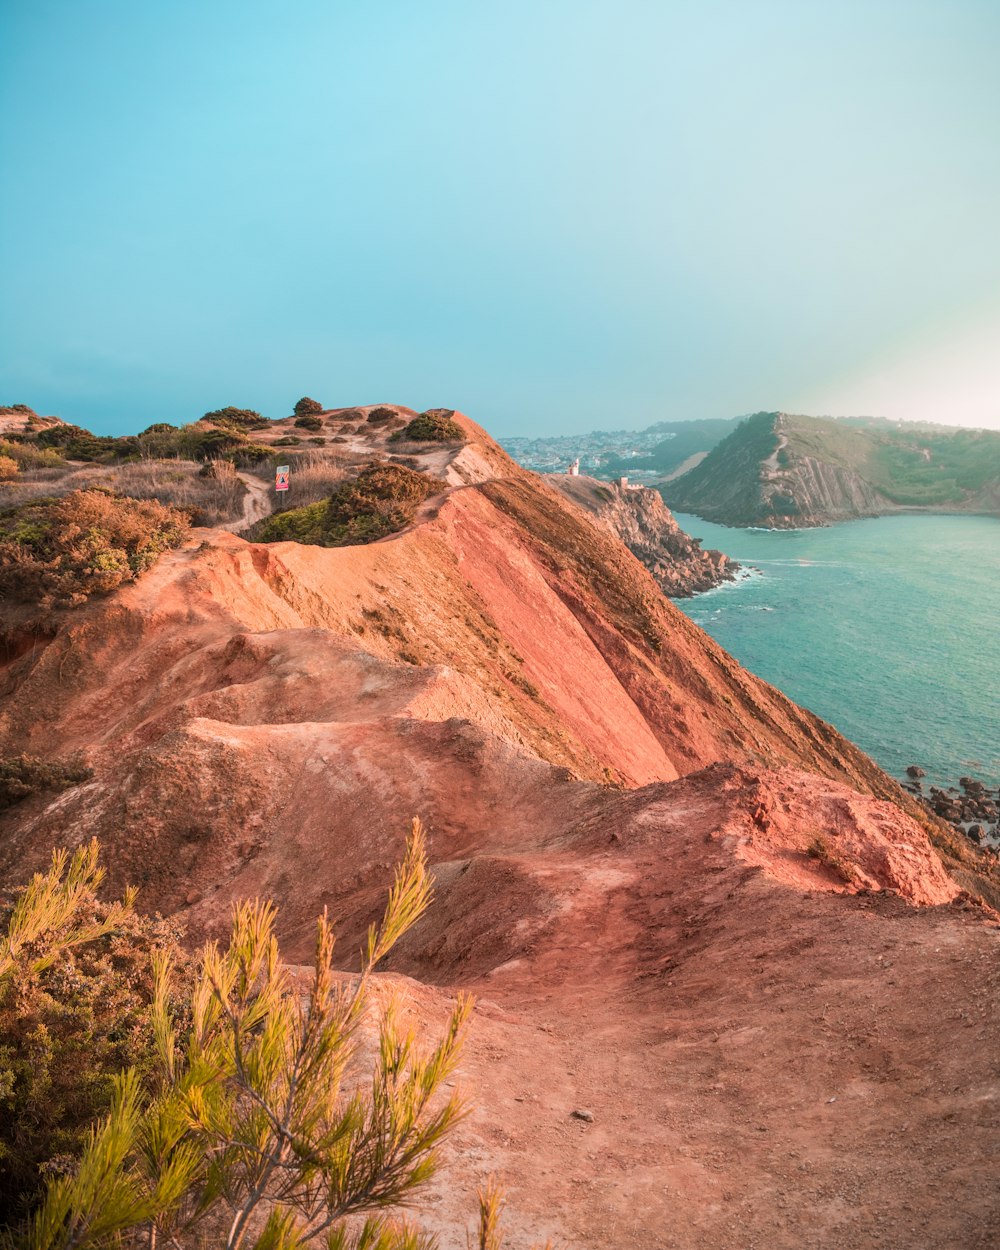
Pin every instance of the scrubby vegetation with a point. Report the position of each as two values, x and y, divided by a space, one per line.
434 426
28 455
75 443
237 418
152 1098
76 992
308 422
24 775
210 493
307 407
381 500
57 553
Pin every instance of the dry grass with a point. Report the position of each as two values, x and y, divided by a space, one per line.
177 483
314 476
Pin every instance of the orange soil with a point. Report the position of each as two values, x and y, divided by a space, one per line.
687 906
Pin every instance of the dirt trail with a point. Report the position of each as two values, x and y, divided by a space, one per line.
256 503
770 465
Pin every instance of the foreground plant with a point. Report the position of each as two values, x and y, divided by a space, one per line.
259 1129
76 986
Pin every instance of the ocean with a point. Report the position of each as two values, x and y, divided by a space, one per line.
887 628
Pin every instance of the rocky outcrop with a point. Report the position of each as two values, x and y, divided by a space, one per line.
640 518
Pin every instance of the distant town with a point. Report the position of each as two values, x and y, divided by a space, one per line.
600 452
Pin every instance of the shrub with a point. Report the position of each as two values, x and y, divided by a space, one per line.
159 427
309 423
211 444
22 775
76 992
433 426
237 418
243 1104
381 500
8 468
379 416
27 455
76 443
288 440
250 455
307 407
56 553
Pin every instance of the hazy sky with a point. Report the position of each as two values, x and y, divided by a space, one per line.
555 215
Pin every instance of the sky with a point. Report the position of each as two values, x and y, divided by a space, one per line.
554 215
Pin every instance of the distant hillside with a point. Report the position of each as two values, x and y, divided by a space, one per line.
659 449
781 471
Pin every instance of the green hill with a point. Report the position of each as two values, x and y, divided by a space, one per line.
778 469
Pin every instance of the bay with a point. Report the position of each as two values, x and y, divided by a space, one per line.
888 628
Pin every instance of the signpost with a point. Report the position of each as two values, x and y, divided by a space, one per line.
281 475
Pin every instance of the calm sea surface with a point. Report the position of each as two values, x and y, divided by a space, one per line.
888 628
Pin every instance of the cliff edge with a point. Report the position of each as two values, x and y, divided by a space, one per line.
640 518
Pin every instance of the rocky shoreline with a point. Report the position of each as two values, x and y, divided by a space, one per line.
970 807
639 517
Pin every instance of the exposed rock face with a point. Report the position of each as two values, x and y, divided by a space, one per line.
687 905
647 527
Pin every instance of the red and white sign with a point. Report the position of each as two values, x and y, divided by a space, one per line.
281 475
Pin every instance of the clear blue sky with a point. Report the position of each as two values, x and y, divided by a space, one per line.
555 215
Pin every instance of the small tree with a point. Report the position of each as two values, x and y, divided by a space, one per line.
307 407
261 1125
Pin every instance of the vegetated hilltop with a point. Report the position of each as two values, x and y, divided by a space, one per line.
782 471
640 518
703 928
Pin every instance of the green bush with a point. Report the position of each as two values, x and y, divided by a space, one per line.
76 993
57 553
309 422
307 407
381 500
237 418
23 775
434 426
28 455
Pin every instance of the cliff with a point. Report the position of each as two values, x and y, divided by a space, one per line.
779 471
687 906
640 518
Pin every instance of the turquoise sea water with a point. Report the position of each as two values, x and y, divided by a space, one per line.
887 628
